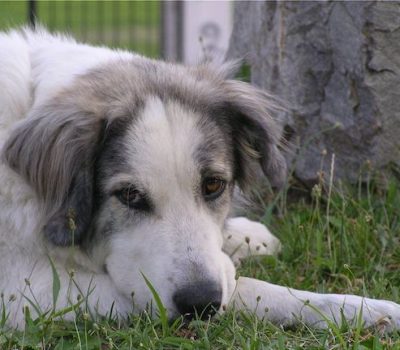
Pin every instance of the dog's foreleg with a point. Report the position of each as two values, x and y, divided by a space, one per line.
288 307
243 238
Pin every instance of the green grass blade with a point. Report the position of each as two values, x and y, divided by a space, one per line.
162 310
56 283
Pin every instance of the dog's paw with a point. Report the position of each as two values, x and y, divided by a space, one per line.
381 314
243 238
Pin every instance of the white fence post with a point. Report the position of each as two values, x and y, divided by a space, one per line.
195 30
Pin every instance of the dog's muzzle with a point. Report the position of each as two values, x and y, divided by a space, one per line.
200 298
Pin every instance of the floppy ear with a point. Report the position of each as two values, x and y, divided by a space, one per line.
54 152
256 135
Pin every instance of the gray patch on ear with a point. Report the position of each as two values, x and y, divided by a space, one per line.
70 223
255 132
274 167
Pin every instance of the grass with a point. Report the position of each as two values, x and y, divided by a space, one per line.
347 242
132 25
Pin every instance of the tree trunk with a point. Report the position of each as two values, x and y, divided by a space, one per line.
337 66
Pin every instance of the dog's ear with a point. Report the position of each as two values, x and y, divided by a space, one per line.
54 150
256 136
69 223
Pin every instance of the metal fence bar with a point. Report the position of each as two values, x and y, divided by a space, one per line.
32 14
179 28
132 10
115 17
100 15
149 36
172 30
52 14
84 19
67 15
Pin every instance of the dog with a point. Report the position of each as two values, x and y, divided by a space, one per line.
118 171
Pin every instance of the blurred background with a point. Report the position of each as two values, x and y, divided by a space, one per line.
335 65
174 30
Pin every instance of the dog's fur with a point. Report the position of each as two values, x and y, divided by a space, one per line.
81 129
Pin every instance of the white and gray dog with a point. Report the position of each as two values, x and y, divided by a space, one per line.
117 167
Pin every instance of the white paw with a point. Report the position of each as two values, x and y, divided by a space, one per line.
383 314
243 238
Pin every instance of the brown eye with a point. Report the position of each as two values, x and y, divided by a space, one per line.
132 198
212 188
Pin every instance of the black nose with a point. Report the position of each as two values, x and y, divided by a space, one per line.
201 298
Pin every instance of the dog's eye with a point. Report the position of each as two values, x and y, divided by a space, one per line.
132 198
212 188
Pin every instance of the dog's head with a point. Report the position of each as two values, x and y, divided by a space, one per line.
136 163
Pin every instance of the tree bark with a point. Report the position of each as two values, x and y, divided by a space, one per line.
337 67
